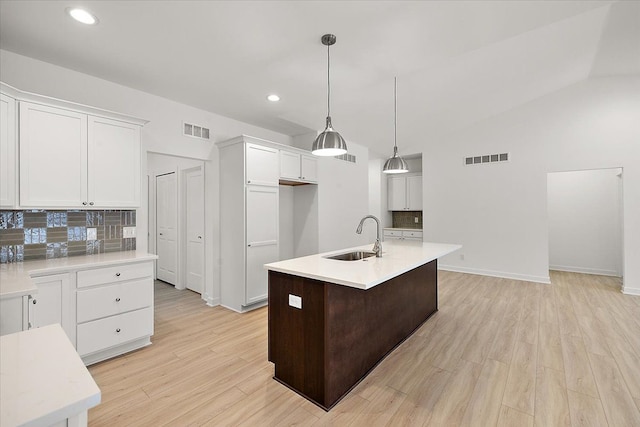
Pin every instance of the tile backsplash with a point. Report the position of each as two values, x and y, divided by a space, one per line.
402 219
43 234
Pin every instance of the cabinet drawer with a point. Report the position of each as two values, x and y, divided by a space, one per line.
104 301
120 273
392 233
415 234
111 331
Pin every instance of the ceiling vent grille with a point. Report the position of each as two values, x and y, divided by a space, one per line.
347 157
195 131
486 158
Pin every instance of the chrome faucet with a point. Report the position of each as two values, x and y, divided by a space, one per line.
377 246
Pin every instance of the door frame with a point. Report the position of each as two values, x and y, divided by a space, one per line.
179 283
182 227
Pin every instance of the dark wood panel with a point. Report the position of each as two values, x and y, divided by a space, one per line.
342 333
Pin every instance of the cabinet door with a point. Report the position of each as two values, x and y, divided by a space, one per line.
309 166
113 163
396 193
262 165
51 303
289 165
262 239
7 152
53 157
11 312
414 193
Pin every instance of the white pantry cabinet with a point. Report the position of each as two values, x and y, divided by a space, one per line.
298 167
249 195
8 121
69 159
404 192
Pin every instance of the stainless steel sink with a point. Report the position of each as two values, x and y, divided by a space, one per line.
352 256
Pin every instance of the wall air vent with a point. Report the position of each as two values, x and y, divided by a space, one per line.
195 131
486 158
347 157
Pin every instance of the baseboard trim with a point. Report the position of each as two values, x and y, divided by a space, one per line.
583 270
212 302
492 273
630 291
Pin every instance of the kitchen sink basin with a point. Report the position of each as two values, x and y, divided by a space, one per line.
352 256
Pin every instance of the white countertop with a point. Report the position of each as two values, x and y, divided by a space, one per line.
42 378
15 278
398 256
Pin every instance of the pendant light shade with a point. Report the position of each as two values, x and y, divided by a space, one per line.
329 142
395 163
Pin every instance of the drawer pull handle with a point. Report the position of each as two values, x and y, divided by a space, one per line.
118 299
118 330
84 203
91 203
117 274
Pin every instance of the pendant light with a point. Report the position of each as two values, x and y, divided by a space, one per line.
329 142
395 163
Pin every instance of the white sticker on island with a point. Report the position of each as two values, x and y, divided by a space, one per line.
295 301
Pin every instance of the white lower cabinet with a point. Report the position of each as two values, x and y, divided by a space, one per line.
114 310
11 315
402 235
51 304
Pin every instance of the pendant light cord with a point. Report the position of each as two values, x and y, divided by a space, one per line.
395 114
328 82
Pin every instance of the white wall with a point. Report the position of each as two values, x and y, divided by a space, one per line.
285 227
584 221
163 134
498 212
343 199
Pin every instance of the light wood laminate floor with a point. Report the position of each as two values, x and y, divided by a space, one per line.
497 353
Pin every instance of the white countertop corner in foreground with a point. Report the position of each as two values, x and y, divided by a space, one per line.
398 256
42 378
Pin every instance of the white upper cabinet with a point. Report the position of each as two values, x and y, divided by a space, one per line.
261 165
8 120
114 163
298 167
414 193
309 165
53 157
69 159
289 165
404 193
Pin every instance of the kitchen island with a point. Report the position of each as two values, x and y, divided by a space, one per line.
331 322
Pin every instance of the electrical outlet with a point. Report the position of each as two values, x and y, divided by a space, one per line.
295 301
461 257
416 219
128 232
92 233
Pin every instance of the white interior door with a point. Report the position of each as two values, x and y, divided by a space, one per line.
194 206
166 227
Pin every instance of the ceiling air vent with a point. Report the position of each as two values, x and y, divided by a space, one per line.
486 158
195 131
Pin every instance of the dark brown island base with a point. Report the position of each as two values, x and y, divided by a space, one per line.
341 333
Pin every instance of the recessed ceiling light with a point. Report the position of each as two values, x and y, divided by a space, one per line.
273 98
82 15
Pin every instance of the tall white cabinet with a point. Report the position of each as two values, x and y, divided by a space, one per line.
249 178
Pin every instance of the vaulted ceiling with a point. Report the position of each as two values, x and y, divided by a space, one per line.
457 62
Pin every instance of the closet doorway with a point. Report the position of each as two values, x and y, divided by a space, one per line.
177 228
586 221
